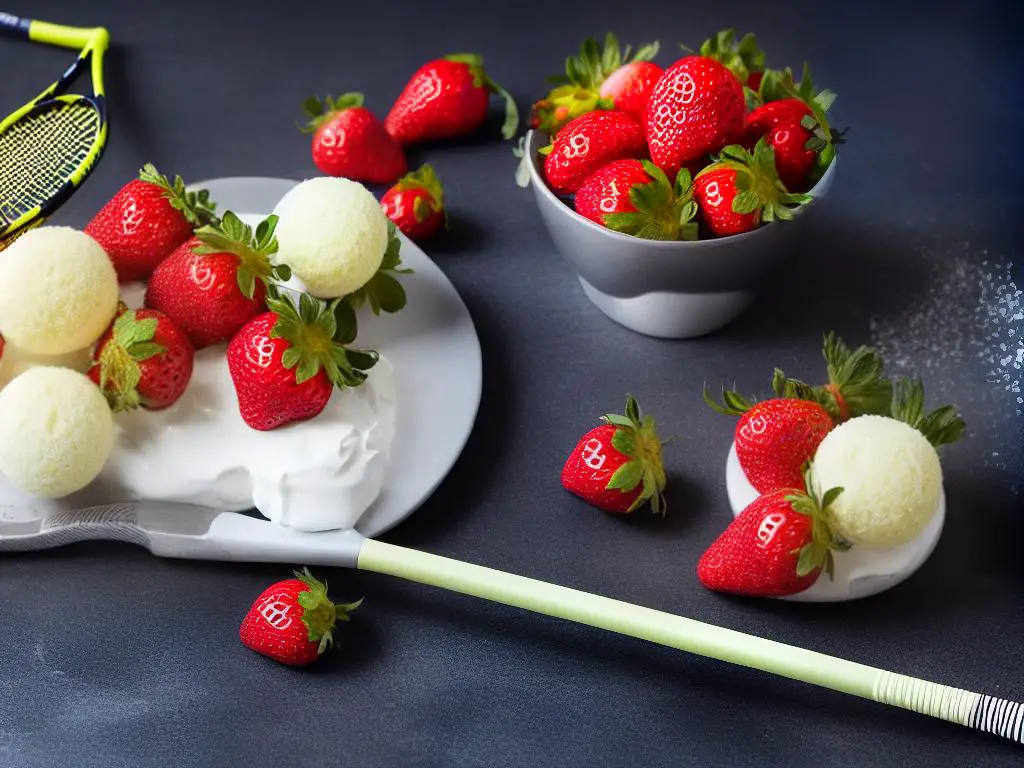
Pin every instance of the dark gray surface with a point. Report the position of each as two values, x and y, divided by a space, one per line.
111 657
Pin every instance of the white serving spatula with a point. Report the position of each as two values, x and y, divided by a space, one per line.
188 531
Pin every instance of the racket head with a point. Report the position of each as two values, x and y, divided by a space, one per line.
47 149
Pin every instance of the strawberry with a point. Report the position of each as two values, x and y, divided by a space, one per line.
742 57
696 108
775 438
779 545
416 204
630 86
617 466
147 219
143 360
740 191
214 283
447 98
285 363
349 140
293 621
762 119
793 160
600 78
635 197
589 142
782 101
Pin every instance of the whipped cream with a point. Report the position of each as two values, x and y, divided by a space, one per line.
316 475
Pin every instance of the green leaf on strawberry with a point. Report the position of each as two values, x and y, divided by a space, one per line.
195 206
942 426
636 437
757 182
119 373
664 211
317 112
742 57
733 403
383 292
232 235
311 330
817 553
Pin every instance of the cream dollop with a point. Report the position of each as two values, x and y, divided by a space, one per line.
316 475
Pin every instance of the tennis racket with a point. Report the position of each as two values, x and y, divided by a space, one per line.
49 146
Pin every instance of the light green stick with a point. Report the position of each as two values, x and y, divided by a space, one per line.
986 713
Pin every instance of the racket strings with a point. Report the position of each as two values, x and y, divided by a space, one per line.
41 152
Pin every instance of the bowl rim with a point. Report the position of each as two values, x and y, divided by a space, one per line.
536 178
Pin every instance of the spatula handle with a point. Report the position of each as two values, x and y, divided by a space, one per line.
997 716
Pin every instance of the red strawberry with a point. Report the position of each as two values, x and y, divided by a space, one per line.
742 57
741 191
147 219
617 466
215 283
589 142
143 360
599 78
447 98
285 363
775 438
793 160
416 204
635 197
696 108
293 621
630 86
779 545
349 141
760 120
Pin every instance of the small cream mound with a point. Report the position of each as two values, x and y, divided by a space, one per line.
333 233
56 431
59 291
891 479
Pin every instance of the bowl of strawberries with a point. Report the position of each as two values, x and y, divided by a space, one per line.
674 192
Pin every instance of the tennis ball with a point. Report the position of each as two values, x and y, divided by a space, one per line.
56 431
333 234
59 291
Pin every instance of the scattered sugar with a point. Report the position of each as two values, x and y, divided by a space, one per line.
968 319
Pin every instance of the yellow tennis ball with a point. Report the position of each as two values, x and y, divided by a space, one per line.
59 291
333 233
56 431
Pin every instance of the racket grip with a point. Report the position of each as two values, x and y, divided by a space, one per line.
14 26
990 714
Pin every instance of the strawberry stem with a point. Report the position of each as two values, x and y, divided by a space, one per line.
635 436
131 342
941 426
311 330
253 250
195 206
318 112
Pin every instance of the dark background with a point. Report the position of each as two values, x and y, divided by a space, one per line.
111 657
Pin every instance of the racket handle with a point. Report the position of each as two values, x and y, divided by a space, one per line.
14 26
45 32
997 716
984 713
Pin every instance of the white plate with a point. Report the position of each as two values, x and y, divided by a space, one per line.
433 346
859 572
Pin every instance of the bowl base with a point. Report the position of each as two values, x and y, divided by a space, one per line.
670 315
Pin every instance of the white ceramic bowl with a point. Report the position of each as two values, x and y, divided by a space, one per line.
663 289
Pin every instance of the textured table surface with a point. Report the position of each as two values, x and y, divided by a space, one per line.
111 657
